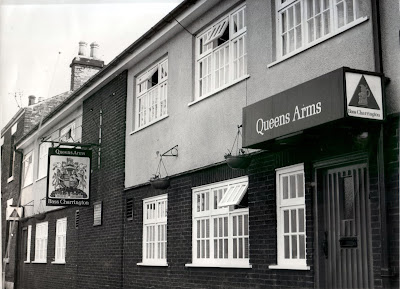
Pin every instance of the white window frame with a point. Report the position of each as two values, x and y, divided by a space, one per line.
61 241
216 221
28 245
325 12
27 169
151 103
43 158
291 204
233 53
154 242
41 242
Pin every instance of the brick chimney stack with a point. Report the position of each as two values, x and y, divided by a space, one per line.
32 99
84 67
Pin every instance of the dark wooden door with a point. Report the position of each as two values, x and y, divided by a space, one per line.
346 240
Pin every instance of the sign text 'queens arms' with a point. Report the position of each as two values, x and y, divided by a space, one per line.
335 95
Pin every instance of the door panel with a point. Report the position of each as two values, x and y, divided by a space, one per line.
346 213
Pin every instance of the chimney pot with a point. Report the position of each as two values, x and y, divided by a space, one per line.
94 50
32 99
82 48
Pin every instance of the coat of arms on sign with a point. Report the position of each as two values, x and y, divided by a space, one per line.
69 179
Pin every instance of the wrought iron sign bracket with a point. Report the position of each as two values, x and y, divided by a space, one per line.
73 144
172 152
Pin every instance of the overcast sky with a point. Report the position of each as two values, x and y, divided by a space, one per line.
39 39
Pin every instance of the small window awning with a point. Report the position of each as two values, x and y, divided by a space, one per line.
234 194
217 31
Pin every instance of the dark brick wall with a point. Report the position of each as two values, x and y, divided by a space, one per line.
262 222
392 192
262 210
94 253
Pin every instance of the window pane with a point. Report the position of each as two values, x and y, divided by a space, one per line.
340 14
302 247
300 185
286 221
292 186
234 248
225 226
350 11
285 187
225 248
240 225
294 247
246 248
234 225
293 220
287 247
198 229
246 225
301 220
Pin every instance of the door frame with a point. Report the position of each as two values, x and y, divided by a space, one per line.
317 167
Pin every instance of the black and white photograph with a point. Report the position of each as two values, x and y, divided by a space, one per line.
200 144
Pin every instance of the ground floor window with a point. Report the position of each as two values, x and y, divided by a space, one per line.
155 231
221 224
41 242
291 233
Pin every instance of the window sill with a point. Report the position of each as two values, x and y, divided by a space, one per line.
58 262
10 179
39 262
25 186
322 39
153 264
27 262
233 266
219 90
40 178
150 124
289 267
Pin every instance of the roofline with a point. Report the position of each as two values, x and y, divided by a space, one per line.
12 121
117 60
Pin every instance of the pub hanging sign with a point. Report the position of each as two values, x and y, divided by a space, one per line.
68 177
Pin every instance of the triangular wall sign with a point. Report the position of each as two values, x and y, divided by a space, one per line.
363 96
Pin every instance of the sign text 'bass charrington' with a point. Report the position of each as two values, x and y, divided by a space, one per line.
283 119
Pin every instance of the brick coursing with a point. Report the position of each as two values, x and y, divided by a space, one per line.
81 73
93 254
262 226
392 188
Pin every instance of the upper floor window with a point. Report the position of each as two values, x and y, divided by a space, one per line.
221 53
12 159
41 242
155 230
221 224
291 221
302 22
27 177
43 158
151 94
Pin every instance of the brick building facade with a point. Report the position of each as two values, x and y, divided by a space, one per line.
318 205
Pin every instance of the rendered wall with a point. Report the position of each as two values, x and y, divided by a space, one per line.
205 131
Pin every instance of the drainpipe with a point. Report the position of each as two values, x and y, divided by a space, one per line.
385 269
